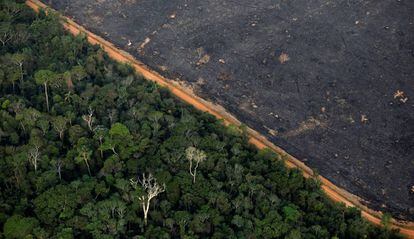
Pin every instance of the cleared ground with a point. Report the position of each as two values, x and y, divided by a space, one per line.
332 82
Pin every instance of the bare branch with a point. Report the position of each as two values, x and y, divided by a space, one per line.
34 156
89 119
151 187
197 156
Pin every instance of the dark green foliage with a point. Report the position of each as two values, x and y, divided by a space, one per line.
66 159
19 227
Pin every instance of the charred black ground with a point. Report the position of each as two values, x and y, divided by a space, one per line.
331 82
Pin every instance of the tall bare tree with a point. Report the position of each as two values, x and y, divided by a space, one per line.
19 59
58 165
151 189
34 155
195 156
99 133
89 119
6 33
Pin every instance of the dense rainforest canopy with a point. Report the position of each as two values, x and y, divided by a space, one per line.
89 149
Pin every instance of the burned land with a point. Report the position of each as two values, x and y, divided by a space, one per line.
331 82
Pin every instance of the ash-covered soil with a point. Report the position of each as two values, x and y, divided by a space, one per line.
330 81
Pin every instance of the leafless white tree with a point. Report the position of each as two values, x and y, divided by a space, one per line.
197 156
34 156
6 35
100 132
58 165
151 187
89 119
18 60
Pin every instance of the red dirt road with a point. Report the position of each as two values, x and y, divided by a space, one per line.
185 94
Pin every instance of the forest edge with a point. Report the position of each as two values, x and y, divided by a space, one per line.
185 94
